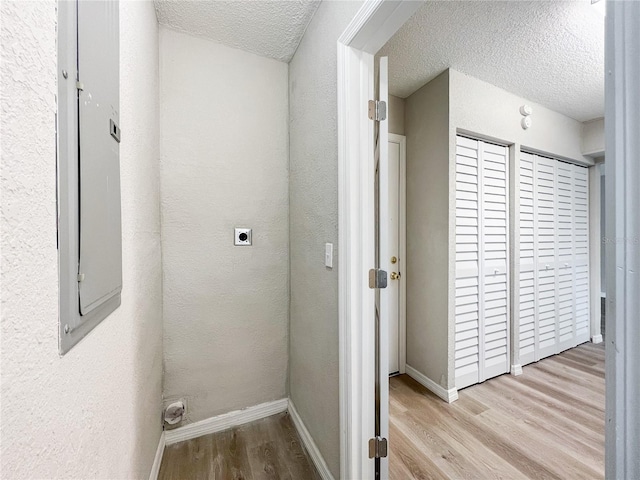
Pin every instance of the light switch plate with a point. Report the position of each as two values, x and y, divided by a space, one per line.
328 255
242 237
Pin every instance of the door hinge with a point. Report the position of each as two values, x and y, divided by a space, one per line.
378 447
377 278
377 110
80 277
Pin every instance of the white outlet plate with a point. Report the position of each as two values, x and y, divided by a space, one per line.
242 237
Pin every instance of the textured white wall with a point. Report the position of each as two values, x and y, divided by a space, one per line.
396 115
487 110
313 185
427 131
224 147
93 413
593 137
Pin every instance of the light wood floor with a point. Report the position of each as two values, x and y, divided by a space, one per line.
267 449
547 423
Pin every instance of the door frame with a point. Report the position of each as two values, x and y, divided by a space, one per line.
373 25
402 251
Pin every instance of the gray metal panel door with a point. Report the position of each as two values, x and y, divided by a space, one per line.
100 263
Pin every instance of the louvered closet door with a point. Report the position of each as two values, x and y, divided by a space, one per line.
565 246
481 322
528 338
545 185
467 320
494 251
554 257
581 252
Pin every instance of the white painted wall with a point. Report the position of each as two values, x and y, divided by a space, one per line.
487 110
224 146
396 115
93 413
593 137
313 384
427 131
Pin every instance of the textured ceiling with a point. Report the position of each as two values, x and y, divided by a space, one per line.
551 53
271 28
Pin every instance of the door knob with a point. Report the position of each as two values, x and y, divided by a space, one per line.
395 276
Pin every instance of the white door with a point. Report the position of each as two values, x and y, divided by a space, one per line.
564 240
554 257
527 280
581 252
482 279
392 259
545 183
494 186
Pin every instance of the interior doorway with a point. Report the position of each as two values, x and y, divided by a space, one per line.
372 27
499 224
393 249
360 41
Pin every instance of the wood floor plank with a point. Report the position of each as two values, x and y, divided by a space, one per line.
449 416
268 449
580 389
548 420
290 449
411 459
546 423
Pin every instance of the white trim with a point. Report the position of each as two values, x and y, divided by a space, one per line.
448 396
594 153
372 26
225 421
622 358
157 461
356 244
309 444
596 339
516 370
595 248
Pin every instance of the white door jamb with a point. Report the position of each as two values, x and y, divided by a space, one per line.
373 25
622 332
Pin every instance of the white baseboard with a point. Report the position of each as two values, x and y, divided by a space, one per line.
448 396
596 338
225 421
309 444
516 370
157 461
